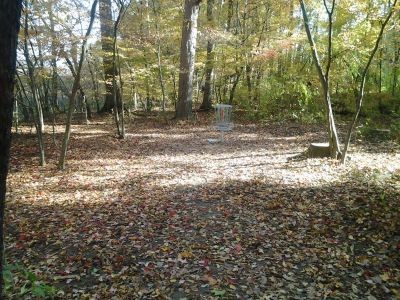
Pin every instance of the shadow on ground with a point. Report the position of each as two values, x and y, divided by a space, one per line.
170 216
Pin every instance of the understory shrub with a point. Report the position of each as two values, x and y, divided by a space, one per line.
22 283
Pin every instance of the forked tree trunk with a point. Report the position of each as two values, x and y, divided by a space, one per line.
116 91
324 77
10 12
187 59
37 111
75 87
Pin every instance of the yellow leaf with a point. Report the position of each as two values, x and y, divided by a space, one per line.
186 254
210 280
385 276
164 248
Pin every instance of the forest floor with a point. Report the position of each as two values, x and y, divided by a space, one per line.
164 214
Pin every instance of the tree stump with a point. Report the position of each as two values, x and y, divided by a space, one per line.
319 150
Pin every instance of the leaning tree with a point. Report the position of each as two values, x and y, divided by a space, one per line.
324 76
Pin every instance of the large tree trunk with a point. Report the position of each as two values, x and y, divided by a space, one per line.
207 104
106 28
10 11
188 50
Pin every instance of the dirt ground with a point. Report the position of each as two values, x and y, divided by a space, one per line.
165 214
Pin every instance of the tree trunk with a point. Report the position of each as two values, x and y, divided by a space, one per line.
380 70
333 138
234 85
230 15
395 71
16 112
207 103
38 112
121 85
116 91
54 79
145 35
106 28
158 53
75 87
360 97
95 87
114 81
187 58
10 11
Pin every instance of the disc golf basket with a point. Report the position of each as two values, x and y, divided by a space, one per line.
223 120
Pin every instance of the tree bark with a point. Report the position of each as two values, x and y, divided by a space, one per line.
75 87
207 103
187 59
324 76
145 36
38 112
121 85
95 85
236 78
10 12
395 71
106 28
158 53
115 90
54 78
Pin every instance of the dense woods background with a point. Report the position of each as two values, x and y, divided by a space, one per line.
252 54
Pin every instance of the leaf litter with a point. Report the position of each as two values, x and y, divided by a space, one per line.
166 215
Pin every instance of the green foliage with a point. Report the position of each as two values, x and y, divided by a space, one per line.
371 176
218 293
372 128
395 129
375 105
289 99
20 282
